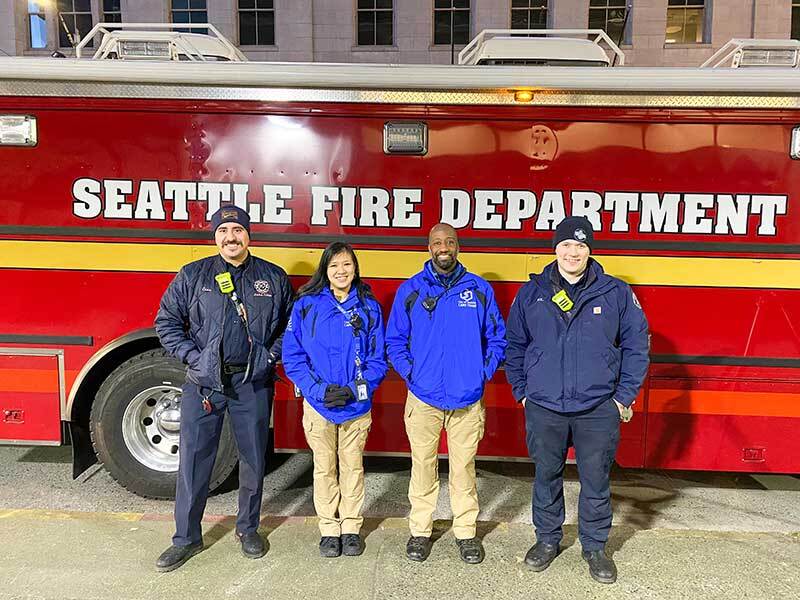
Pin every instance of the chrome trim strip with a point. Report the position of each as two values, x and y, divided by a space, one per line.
388 96
28 443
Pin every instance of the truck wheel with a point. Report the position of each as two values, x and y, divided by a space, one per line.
135 426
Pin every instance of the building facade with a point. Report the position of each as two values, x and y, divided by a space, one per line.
652 32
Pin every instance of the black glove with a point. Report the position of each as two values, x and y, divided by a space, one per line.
337 395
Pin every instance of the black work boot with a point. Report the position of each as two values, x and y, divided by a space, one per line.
174 556
253 545
540 555
418 548
601 568
352 544
471 550
330 546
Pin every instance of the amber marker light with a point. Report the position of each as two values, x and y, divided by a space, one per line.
523 95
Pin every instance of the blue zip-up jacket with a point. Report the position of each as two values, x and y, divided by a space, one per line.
191 318
573 362
446 355
319 349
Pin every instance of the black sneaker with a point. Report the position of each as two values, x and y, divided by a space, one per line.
471 550
330 546
541 554
253 545
418 548
352 544
174 556
601 568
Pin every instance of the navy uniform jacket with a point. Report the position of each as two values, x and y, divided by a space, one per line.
570 363
191 318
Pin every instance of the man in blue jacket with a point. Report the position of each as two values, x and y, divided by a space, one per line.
445 337
223 316
577 356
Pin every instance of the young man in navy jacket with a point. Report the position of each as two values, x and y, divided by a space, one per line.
577 356
445 337
228 333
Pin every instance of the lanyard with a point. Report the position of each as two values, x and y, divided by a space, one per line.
352 317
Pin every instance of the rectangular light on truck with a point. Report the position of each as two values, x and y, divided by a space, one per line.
794 149
405 138
141 49
17 130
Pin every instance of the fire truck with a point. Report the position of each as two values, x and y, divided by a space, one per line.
111 168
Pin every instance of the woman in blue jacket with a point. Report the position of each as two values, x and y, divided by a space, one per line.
333 351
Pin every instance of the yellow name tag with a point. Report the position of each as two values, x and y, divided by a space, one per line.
562 301
224 282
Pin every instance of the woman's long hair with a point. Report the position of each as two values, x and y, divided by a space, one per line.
319 280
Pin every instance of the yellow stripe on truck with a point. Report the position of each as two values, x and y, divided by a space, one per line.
401 264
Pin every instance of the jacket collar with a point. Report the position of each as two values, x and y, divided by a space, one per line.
352 300
597 279
434 279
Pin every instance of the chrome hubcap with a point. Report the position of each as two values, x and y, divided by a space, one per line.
151 427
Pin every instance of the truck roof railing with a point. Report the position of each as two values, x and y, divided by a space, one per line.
160 41
559 46
743 53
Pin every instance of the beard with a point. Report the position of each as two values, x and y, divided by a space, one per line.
445 262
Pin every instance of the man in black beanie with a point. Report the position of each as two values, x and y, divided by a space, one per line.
577 356
224 317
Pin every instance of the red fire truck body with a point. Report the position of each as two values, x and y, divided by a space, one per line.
689 180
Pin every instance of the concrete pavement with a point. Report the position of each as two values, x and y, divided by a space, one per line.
87 556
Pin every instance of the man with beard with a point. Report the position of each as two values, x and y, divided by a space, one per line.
223 316
445 337
577 356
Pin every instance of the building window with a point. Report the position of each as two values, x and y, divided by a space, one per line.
189 11
450 22
375 22
795 20
528 14
112 11
37 23
685 20
256 22
608 15
74 22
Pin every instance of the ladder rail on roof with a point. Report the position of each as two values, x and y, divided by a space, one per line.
729 51
181 43
471 50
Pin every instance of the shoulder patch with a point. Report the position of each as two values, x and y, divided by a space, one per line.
636 300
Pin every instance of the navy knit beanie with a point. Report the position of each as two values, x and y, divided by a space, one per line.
574 228
230 213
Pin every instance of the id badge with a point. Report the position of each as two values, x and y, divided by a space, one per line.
361 389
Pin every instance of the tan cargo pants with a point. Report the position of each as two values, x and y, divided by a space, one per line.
338 470
465 429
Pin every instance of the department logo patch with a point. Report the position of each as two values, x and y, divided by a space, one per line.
580 235
262 288
467 299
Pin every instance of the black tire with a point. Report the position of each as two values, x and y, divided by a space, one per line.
161 375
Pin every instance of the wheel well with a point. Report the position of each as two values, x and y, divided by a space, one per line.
82 405
82 451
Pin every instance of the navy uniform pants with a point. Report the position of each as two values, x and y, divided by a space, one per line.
248 406
594 434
